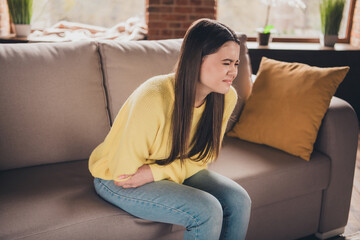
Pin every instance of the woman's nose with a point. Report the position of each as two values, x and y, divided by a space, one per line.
233 71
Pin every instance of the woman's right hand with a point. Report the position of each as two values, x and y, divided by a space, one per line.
141 177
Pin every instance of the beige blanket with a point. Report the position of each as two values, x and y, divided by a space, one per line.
133 29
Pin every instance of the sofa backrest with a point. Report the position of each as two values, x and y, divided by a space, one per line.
52 103
57 101
128 64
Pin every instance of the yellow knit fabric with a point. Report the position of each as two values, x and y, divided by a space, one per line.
141 134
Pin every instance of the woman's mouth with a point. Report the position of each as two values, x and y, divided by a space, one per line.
228 81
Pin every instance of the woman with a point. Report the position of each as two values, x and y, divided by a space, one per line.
152 164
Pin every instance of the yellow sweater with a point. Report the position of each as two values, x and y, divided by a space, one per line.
141 133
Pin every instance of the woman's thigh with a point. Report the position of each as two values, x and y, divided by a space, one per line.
223 188
169 202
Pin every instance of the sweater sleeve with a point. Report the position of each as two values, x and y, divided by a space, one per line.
230 103
126 147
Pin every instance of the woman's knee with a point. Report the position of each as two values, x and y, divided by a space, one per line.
207 214
237 200
214 210
244 196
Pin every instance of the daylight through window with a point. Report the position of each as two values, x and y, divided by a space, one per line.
288 20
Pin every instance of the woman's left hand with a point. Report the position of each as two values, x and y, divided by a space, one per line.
142 176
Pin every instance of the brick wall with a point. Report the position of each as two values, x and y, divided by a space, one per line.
355 31
171 18
4 19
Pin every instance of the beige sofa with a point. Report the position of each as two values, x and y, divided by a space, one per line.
57 103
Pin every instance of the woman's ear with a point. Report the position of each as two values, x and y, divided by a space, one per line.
203 58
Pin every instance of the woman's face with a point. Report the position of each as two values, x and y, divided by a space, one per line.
219 69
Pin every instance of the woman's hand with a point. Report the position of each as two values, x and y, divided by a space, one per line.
142 176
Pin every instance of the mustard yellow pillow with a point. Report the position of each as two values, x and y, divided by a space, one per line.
287 104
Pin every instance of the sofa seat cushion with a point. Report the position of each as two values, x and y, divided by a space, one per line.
270 175
58 201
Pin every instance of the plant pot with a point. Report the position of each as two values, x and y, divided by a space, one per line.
328 40
22 30
263 38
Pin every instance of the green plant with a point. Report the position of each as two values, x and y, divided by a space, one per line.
20 11
331 12
268 28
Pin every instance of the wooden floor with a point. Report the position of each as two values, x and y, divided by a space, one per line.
352 229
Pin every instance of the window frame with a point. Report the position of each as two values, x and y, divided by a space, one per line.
317 40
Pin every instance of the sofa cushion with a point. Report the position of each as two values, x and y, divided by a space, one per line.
53 104
287 105
270 175
58 201
128 64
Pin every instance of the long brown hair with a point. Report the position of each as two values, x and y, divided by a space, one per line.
204 37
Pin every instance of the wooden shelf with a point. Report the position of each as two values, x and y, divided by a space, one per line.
13 39
302 46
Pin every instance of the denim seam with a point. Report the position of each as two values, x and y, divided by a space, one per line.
159 205
224 226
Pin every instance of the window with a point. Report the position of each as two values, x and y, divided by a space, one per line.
104 13
291 23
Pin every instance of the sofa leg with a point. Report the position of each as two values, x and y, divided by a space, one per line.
330 234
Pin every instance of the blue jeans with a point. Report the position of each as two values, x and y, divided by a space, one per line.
208 205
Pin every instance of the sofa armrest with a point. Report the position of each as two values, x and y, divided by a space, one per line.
338 139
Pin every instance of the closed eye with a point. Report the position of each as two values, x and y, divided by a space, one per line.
227 62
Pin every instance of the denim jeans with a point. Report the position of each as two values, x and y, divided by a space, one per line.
208 205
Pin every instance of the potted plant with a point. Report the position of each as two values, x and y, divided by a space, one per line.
21 12
264 33
331 12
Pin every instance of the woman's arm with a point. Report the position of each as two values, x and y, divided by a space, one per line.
176 171
126 147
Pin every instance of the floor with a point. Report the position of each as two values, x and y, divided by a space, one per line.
352 229
354 216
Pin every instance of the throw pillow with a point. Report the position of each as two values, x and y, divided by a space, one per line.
287 104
